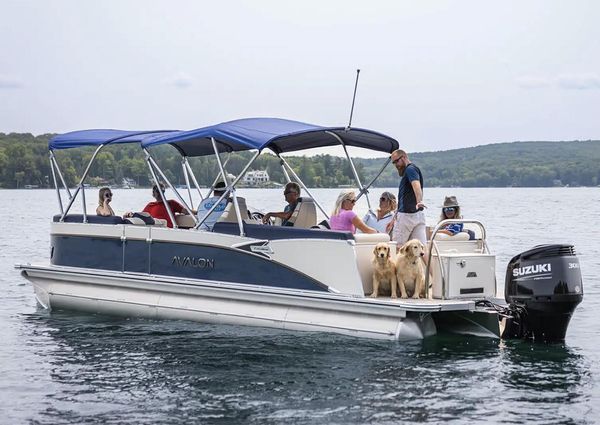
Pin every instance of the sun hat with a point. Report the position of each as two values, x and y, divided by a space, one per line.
450 201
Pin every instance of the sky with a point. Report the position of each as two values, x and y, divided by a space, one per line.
435 75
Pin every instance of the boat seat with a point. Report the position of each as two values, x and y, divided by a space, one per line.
453 246
305 214
262 231
229 215
460 236
185 221
91 218
371 238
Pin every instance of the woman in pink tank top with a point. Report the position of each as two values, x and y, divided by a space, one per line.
343 218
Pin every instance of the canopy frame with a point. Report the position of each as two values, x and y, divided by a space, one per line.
241 135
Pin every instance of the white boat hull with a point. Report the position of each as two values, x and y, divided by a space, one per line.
161 297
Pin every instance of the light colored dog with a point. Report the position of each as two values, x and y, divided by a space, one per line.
384 271
410 269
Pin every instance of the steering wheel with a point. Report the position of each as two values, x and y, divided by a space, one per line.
257 215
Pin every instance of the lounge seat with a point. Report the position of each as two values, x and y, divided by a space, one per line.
305 214
261 231
229 215
185 221
91 218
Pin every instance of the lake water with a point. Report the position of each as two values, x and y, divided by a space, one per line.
65 367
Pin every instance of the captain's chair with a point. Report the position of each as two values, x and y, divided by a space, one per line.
305 214
229 215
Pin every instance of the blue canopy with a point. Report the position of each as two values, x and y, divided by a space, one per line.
279 135
81 138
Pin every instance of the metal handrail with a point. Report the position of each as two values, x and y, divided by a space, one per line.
433 246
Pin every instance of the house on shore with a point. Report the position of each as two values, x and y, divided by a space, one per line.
256 178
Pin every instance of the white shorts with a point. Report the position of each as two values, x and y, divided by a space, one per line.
409 226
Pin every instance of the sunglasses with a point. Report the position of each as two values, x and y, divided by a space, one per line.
289 191
449 209
352 200
395 161
384 199
108 195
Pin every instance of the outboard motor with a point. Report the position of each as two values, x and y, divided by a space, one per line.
543 286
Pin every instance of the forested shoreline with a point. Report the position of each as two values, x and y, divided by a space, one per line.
24 161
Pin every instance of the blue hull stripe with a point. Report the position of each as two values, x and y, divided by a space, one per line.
178 260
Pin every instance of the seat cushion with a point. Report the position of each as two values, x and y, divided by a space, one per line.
261 231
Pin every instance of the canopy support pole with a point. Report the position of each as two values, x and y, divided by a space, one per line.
80 185
362 189
53 158
60 204
151 161
212 186
303 186
187 179
377 175
191 172
287 176
224 174
85 220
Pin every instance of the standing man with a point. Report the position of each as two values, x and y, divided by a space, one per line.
409 220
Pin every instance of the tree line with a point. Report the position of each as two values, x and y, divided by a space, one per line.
24 161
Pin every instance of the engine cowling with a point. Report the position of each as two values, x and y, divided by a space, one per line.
543 287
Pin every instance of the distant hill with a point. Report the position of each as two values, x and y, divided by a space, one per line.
24 161
523 164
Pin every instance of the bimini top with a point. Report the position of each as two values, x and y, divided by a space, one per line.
76 139
279 135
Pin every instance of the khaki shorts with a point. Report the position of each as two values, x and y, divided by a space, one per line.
409 226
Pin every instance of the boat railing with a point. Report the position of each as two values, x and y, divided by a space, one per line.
433 246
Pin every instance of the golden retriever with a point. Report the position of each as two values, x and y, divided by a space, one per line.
384 271
410 269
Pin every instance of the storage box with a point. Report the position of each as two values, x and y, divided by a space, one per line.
466 275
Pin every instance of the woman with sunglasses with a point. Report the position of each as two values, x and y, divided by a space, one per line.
104 198
343 218
385 213
451 210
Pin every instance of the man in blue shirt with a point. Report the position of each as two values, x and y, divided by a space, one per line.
208 203
409 220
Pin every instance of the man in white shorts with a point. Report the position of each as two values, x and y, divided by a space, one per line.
409 220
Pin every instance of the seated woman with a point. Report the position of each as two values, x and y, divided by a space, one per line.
343 218
104 198
451 210
380 219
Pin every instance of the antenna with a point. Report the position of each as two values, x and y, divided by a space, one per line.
353 98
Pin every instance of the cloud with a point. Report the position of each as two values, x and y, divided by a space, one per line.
180 80
563 82
579 82
7 82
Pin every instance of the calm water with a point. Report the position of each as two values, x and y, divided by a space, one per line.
68 367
